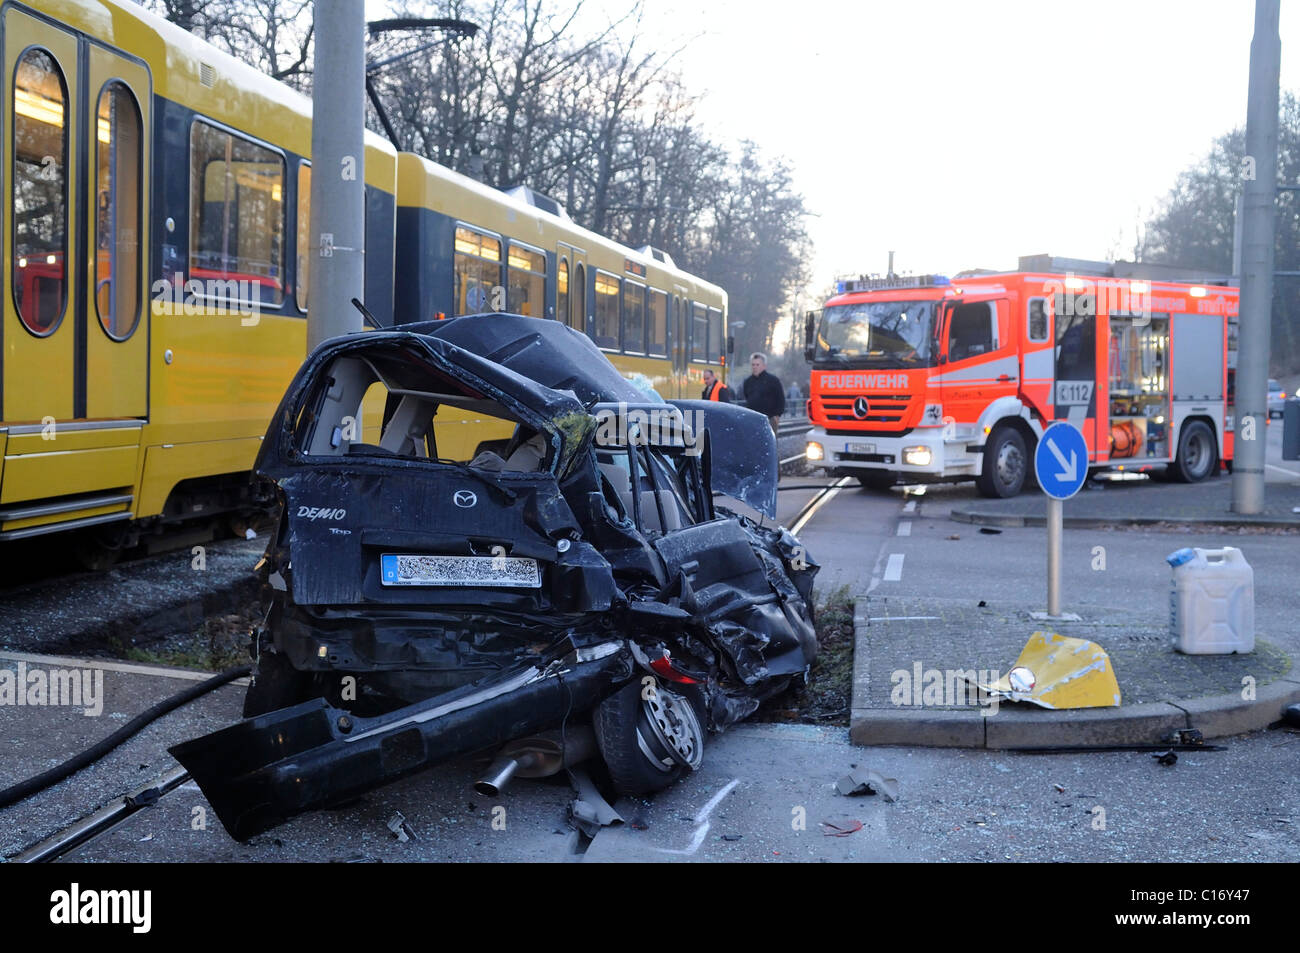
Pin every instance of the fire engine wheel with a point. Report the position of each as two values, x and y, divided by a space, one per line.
1198 457
1006 464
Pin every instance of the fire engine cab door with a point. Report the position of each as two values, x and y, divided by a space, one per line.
977 356
1074 396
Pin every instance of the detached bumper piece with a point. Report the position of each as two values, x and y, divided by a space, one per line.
265 770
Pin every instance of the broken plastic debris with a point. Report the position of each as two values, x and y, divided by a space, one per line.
1062 673
989 531
841 830
400 828
1165 757
589 812
865 781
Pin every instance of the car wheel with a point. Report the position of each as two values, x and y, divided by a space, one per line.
1006 464
648 736
876 480
276 684
1198 457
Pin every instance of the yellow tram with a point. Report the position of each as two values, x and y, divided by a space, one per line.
157 271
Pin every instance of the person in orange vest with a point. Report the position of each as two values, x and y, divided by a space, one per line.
714 389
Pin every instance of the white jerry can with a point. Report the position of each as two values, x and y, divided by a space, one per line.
1212 601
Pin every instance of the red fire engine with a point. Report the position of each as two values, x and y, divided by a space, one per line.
929 379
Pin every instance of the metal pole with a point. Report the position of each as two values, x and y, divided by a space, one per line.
338 191
1054 523
1259 209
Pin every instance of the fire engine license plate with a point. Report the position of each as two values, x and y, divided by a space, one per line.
862 448
476 571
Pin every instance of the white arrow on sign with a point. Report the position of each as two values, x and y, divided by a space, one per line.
1069 470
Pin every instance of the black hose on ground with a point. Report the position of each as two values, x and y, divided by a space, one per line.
25 789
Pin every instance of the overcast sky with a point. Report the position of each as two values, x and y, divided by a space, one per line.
965 134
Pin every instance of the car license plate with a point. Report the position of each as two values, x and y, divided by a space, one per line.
862 448
517 572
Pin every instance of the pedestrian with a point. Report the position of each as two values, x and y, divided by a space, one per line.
714 389
763 391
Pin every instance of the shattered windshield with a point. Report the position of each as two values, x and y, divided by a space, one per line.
877 334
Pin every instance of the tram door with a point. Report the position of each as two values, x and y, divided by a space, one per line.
578 292
75 311
678 348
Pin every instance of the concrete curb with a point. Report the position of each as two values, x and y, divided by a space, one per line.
1017 521
1215 716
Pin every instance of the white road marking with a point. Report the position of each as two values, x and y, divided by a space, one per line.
58 661
909 506
1287 470
904 527
702 820
894 568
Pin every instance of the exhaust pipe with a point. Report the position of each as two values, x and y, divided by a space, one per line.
537 757
264 770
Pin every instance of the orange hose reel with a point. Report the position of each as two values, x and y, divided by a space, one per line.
1125 439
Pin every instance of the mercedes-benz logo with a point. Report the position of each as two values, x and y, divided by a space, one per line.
464 498
860 408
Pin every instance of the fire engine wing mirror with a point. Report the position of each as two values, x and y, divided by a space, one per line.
742 451
809 336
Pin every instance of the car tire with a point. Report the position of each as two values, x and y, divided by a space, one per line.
276 684
1006 464
627 742
877 481
1198 457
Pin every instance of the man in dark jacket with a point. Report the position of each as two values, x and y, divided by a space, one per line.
763 391
714 389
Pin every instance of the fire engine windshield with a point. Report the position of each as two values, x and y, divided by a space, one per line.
877 334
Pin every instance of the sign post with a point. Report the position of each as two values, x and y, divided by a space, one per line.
1061 466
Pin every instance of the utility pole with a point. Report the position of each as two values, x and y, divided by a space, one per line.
338 182
1259 210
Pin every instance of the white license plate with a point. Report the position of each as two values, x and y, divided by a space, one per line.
513 572
862 448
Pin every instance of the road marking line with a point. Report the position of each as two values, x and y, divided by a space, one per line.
894 568
59 661
909 506
713 802
904 527
702 820
1286 470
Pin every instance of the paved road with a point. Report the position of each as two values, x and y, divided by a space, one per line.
764 790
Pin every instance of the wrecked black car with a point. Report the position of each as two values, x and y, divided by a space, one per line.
576 588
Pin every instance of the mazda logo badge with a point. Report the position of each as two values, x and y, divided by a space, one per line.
860 408
464 498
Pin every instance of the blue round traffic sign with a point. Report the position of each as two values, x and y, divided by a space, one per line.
1061 461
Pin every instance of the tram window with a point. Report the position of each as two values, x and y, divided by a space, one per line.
658 327
527 281
562 291
40 192
237 217
478 271
715 336
302 273
699 333
633 317
118 154
606 310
